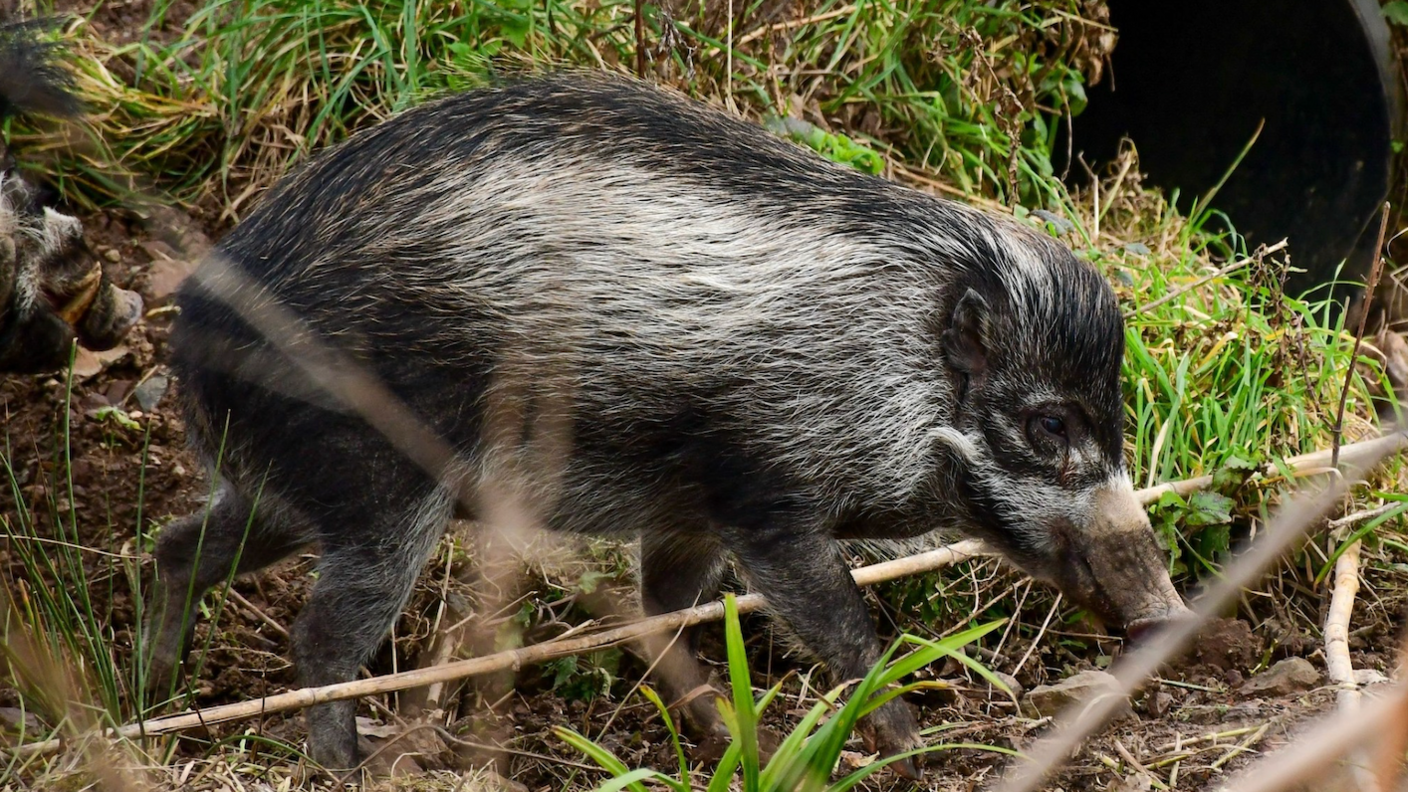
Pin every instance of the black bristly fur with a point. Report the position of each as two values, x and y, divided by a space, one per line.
32 79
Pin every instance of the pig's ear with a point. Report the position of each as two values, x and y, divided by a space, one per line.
965 341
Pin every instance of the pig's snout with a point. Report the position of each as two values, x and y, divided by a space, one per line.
1116 568
1141 629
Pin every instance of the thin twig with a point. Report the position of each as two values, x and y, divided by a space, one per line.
1037 640
1138 766
1355 454
640 39
794 23
1187 287
1338 429
258 614
1241 747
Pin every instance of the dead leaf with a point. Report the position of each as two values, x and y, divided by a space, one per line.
88 364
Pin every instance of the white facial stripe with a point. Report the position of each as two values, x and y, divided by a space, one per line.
968 446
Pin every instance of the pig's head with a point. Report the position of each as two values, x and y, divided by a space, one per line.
1034 343
52 289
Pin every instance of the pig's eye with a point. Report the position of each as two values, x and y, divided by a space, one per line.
1052 425
1048 433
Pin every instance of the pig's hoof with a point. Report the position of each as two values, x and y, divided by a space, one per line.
891 731
717 739
908 768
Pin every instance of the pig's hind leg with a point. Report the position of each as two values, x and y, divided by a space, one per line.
373 548
800 571
198 552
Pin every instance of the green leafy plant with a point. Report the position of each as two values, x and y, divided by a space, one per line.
807 756
837 148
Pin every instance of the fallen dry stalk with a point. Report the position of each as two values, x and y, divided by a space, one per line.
1362 454
1211 276
510 660
1354 455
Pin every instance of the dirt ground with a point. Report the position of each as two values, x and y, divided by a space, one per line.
1186 731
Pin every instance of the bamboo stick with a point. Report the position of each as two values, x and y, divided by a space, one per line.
1365 452
1337 662
509 660
1354 455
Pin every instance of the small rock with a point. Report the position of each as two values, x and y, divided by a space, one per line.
1137 248
117 390
158 249
148 394
1364 677
1135 783
112 255
1159 703
1008 680
1045 700
17 720
1292 675
165 275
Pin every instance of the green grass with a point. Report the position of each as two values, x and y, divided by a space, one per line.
965 90
807 756
71 649
56 629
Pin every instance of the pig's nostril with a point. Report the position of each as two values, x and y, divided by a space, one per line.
1139 631
1143 630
